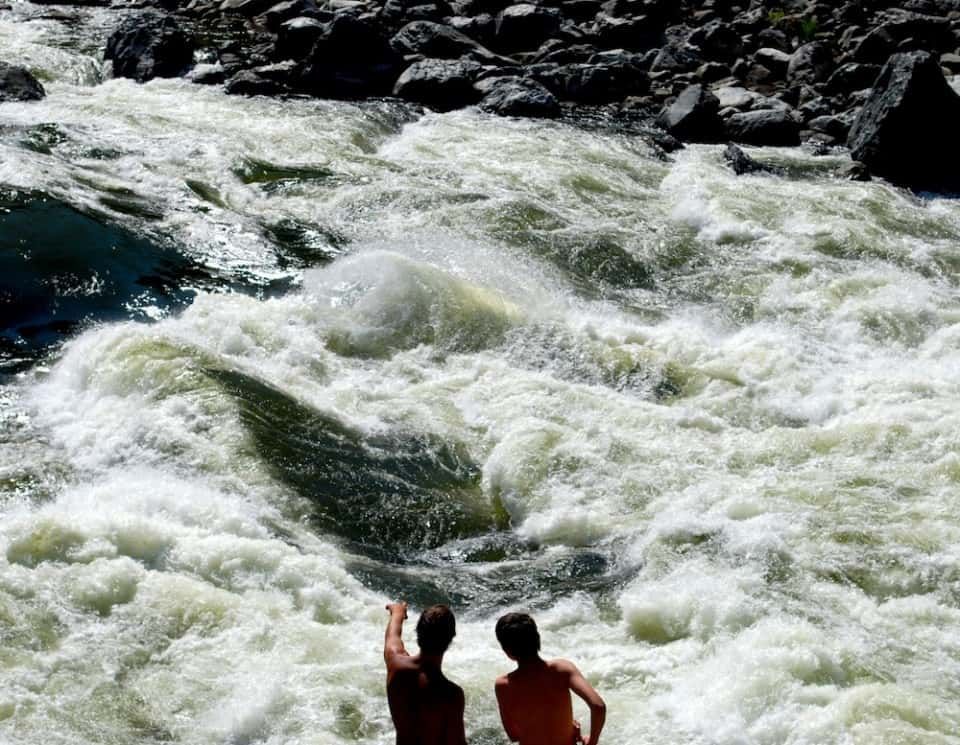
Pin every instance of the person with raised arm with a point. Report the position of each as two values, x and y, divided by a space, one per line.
427 709
534 699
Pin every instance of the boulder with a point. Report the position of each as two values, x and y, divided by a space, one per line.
676 59
438 41
775 60
440 84
352 58
810 64
742 163
593 83
907 129
525 27
250 83
149 45
397 13
694 116
718 41
853 76
766 127
17 84
296 37
515 96
288 10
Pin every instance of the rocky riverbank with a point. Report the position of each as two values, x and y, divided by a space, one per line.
868 75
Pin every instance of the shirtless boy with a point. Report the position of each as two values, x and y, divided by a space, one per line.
534 699
427 709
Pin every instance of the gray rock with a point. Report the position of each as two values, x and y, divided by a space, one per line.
514 96
907 130
525 27
441 84
694 116
149 45
438 41
17 84
771 127
810 64
774 60
741 163
296 37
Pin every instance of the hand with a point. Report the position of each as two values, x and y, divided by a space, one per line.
577 734
398 608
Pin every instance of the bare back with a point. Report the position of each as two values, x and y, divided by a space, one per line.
427 709
535 704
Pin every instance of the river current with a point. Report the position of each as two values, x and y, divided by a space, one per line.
310 356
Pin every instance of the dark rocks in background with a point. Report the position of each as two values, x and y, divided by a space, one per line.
514 96
352 58
443 85
694 116
907 130
525 27
770 127
811 64
253 83
438 41
17 84
149 45
298 36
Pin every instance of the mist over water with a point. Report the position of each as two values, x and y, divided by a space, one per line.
704 426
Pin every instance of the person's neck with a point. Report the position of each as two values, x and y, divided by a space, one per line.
528 663
433 661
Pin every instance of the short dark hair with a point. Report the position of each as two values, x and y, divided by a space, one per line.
436 629
518 635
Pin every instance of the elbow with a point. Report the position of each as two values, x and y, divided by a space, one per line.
599 708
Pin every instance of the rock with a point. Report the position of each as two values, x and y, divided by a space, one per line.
480 27
742 163
149 45
17 84
834 126
856 171
852 76
437 41
594 83
735 97
694 116
718 42
950 62
907 130
774 60
351 59
248 8
770 127
397 13
514 96
441 84
525 27
711 72
285 11
249 83
810 64
207 74
296 37
676 59
631 33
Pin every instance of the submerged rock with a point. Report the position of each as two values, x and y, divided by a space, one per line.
907 130
149 45
741 163
17 84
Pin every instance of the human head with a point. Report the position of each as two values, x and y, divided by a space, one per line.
436 629
518 635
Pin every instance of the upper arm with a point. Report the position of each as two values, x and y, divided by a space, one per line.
506 715
581 686
456 733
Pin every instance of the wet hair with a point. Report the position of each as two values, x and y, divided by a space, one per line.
436 629
518 635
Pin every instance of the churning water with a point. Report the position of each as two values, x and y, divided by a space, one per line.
274 363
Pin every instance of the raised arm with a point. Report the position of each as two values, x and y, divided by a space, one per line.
392 641
598 709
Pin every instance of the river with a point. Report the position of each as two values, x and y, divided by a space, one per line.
284 361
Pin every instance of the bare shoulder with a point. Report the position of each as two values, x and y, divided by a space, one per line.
566 667
501 682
